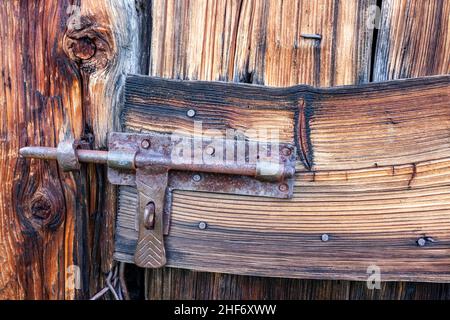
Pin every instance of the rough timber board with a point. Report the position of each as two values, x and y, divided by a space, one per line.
259 42
342 57
379 162
61 64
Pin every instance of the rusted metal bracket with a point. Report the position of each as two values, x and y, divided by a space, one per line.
159 163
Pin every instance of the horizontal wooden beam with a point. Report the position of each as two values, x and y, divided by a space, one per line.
373 176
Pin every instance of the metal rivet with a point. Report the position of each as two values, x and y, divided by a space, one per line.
191 113
202 225
325 237
145 144
283 187
286 151
196 177
421 242
210 150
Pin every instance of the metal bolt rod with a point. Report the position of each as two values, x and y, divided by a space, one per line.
47 153
267 170
39 153
68 157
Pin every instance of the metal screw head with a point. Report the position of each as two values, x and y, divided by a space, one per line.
145 144
191 113
210 150
283 187
196 177
202 225
325 237
421 242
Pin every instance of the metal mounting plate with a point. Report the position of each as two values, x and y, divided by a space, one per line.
196 181
212 182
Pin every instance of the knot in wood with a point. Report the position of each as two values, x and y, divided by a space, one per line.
45 209
41 207
84 48
92 46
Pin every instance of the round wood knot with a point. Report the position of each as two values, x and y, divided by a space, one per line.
91 46
84 48
46 209
41 208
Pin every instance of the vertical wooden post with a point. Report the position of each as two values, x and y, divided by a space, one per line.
62 64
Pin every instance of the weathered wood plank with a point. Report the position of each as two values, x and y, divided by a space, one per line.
414 39
37 202
263 42
251 62
61 65
366 188
118 34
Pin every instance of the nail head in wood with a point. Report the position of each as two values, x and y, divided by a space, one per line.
286 152
421 242
191 113
202 225
145 144
210 151
283 187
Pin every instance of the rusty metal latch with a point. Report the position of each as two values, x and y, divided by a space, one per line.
159 163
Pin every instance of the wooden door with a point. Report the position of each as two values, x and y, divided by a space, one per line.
63 64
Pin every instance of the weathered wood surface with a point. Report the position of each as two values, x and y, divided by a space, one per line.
413 39
264 42
184 284
372 180
61 65
226 40
251 64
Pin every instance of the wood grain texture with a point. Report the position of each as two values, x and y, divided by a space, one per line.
367 188
118 33
184 284
251 64
61 64
261 41
39 205
414 39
